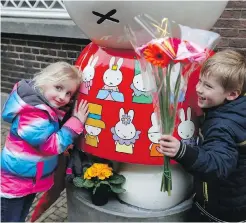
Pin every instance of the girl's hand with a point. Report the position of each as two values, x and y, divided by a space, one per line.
81 111
169 145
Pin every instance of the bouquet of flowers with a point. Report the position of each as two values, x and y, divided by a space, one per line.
168 53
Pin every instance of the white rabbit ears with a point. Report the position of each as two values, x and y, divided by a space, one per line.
122 114
189 113
154 119
112 64
92 62
182 114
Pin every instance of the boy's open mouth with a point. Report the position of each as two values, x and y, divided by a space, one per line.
202 98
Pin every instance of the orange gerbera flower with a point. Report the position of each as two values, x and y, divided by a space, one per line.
155 55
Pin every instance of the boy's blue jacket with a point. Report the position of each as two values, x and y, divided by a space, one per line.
219 164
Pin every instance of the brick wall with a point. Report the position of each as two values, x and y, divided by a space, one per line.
232 26
24 55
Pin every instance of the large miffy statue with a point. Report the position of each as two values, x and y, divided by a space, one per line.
125 127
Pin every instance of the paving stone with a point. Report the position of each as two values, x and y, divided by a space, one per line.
63 209
55 218
47 220
61 203
59 200
50 211
61 213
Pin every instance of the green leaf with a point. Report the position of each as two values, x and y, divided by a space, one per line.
94 190
99 184
117 179
103 182
88 183
117 189
78 182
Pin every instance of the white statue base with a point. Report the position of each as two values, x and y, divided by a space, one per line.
143 186
81 209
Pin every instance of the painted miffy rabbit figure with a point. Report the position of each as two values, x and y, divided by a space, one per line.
141 91
88 75
186 128
91 136
112 79
125 133
154 136
94 125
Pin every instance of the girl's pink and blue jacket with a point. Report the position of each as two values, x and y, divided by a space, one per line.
30 154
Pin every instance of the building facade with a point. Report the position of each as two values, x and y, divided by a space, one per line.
37 33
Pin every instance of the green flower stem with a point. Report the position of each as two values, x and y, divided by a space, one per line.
176 94
167 114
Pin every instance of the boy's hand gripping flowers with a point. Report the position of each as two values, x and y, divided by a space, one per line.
169 145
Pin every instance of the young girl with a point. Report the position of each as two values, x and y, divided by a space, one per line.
29 157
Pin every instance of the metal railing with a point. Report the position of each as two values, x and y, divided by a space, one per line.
54 9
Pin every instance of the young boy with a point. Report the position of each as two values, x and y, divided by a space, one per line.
219 164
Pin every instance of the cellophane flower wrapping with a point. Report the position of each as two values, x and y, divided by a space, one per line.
168 53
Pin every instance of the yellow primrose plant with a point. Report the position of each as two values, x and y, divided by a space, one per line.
99 174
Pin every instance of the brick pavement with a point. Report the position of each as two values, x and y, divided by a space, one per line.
58 211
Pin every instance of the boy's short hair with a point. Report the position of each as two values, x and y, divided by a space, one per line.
57 72
230 68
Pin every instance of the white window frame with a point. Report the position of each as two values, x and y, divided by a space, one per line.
24 9
22 17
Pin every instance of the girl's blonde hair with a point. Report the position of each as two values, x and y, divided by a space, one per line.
229 67
57 72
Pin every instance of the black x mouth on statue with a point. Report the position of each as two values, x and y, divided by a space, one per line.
107 16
